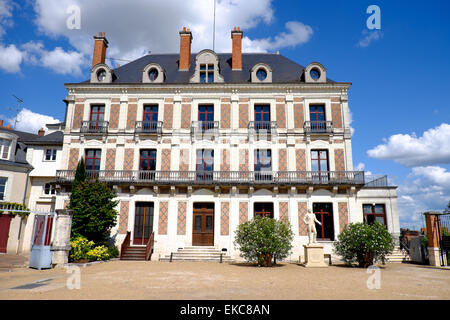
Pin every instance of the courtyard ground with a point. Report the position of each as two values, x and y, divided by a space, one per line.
207 280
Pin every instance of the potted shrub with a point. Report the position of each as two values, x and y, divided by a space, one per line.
364 243
262 239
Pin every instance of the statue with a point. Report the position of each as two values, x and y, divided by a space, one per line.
310 220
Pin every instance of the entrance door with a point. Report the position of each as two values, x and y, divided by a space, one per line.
324 213
143 222
5 221
203 224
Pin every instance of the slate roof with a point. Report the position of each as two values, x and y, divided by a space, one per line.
284 70
52 138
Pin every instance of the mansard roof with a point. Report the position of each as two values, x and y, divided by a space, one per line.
284 69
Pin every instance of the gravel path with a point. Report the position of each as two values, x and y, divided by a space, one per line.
207 280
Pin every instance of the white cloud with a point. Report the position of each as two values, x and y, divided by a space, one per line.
369 37
10 58
154 25
6 10
433 147
30 121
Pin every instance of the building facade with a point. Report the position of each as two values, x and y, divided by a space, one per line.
195 144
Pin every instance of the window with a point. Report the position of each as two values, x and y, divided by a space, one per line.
324 213
206 117
374 212
205 164
153 74
207 73
5 146
50 155
49 189
2 188
262 117
150 118
315 74
93 157
263 210
319 165
263 164
97 113
317 118
101 75
261 74
147 164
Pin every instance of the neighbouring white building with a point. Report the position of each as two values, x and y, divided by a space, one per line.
195 144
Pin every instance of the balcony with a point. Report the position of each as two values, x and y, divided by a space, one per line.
318 127
251 178
94 127
210 128
148 127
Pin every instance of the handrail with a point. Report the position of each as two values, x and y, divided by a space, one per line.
149 247
125 244
219 177
94 127
154 127
318 126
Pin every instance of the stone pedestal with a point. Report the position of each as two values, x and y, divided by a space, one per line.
61 241
314 257
434 256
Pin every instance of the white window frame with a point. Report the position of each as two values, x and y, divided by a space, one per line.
51 156
2 148
4 189
51 188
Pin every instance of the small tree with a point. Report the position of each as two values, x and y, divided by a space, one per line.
364 243
262 239
94 212
80 173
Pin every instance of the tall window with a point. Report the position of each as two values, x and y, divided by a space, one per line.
263 164
205 164
50 155
5 146
96 117
93 157
206 73
150 118
374 212
317 117
206 117
2 188
147 164
263 209
324 213
319 165
262 117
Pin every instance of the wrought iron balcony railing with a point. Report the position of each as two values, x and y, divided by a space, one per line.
94 127
318 126
257 126
219 177
150 127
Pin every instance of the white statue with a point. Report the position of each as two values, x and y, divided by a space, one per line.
310 220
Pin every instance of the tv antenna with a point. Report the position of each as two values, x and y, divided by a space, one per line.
19 102
214 25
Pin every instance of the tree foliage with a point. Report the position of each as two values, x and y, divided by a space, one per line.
261 239
94 212
364 243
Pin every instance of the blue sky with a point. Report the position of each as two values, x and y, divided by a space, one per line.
400 97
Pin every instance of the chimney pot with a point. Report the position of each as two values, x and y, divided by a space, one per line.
185 50
9 126
41 132
1 123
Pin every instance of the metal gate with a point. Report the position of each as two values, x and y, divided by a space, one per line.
40 255
443 227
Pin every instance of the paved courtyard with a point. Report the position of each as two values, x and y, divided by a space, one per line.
206 280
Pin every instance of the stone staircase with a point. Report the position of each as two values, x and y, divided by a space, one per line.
134 253
197 253
398 256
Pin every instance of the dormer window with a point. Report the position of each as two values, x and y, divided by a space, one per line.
315 74
5 147
101 75
153 73
261 74
206 73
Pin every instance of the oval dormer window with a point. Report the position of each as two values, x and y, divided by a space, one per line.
315 74
261 74
153 74
101 75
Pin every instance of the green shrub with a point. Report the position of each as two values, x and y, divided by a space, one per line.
113 252
261 239
98 253
364 243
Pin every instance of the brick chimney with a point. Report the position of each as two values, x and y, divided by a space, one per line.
236 59
185 49
1 123
41 132
100 46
